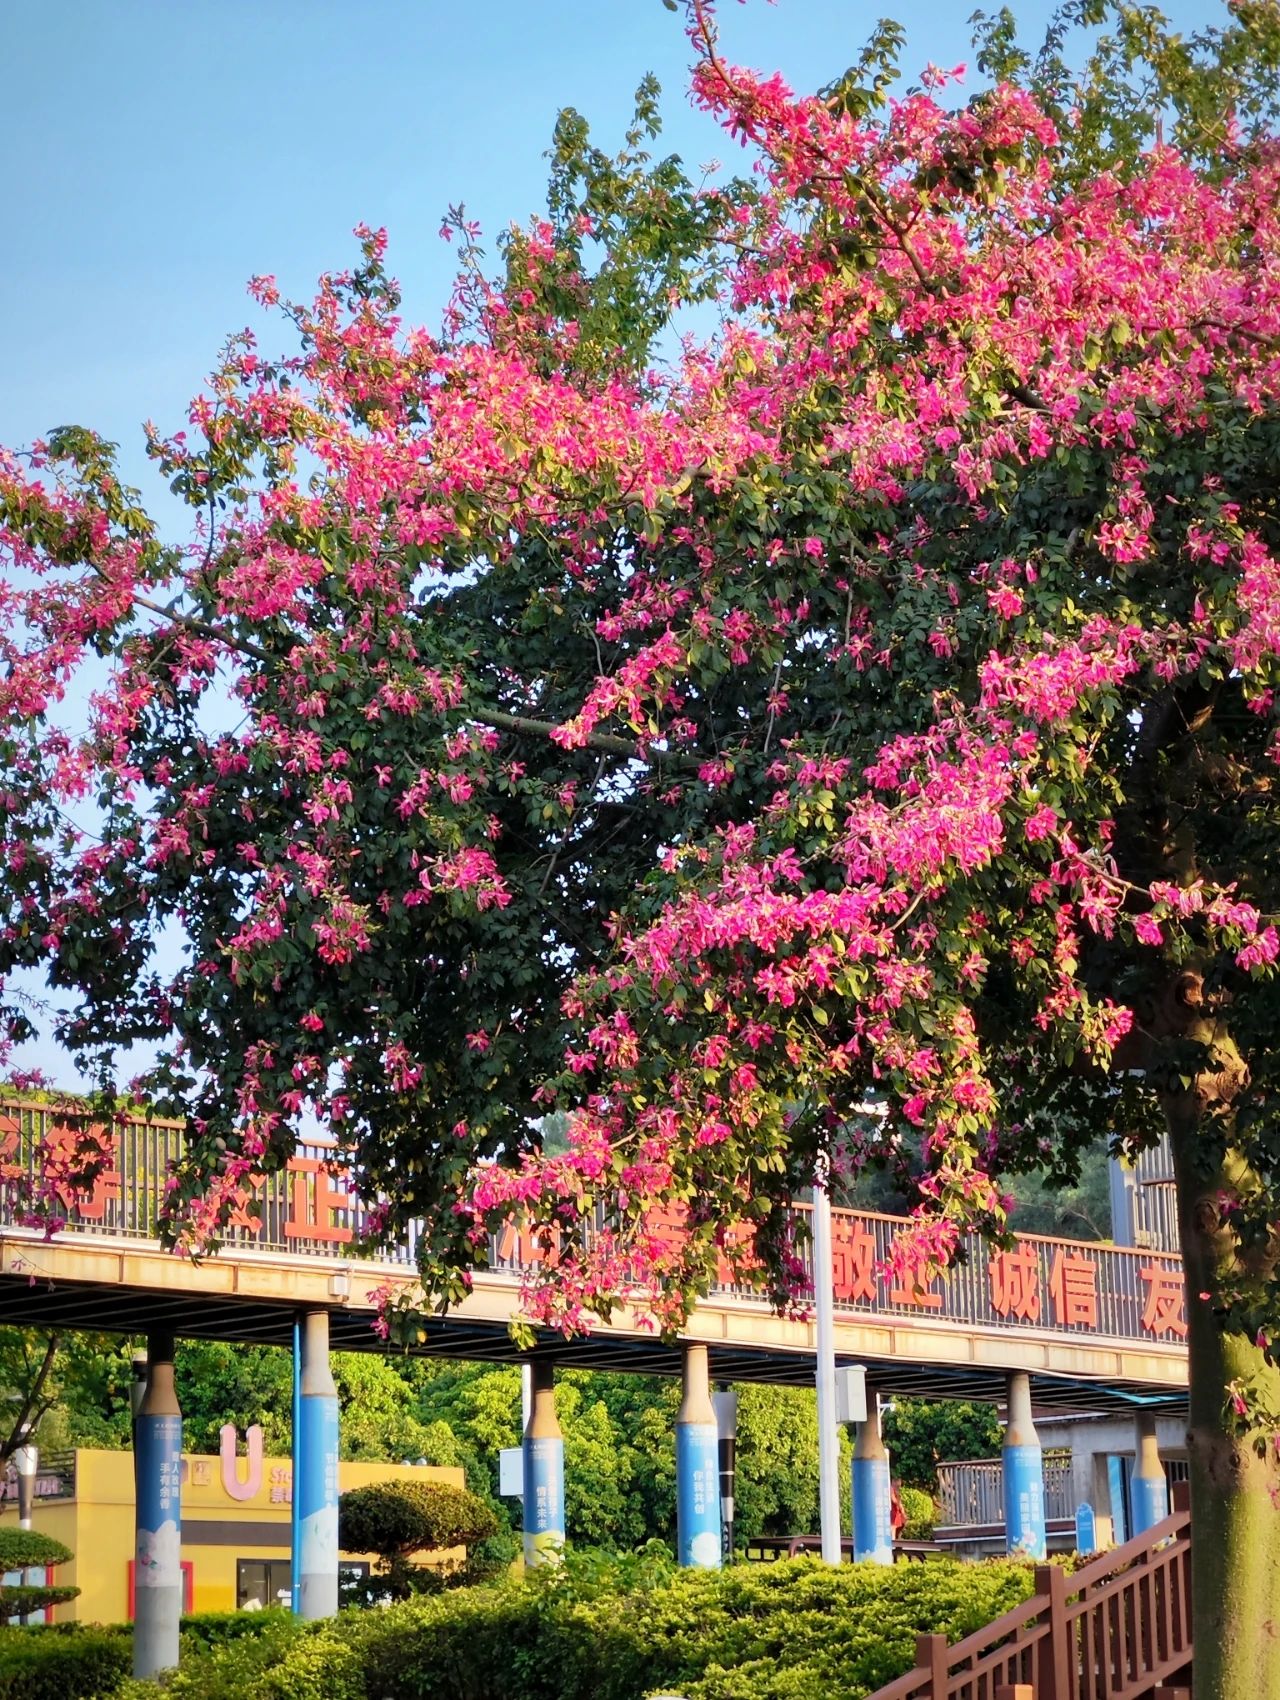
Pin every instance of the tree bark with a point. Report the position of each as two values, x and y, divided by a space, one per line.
1235 1467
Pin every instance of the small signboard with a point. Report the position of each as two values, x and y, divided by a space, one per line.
511 1472
1086 1529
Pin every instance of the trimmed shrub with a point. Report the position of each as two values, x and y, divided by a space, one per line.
798 1630
66 1662
213 1628
791 1631
24 1549
395 1520
234 1667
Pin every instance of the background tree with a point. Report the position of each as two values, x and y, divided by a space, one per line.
850 740
71 1388
27 1384
921 1434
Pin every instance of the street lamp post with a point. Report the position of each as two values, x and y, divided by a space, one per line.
825 1344
26 1461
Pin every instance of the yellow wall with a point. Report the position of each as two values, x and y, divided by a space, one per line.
98 1525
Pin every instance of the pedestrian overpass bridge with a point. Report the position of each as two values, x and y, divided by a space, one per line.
1095 1327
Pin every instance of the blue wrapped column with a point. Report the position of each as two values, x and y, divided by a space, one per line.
157 1477
697 1467
543 1470
315 1471
1148 1488
1023 1475
872 1495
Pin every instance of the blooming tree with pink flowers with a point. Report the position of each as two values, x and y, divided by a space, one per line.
704 738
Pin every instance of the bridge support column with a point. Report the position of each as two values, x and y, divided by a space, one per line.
1024 1529
1148 1488
872 1495
697 1467
543 1470
157 1467
315 1470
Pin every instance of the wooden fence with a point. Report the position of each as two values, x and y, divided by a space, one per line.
1118 1629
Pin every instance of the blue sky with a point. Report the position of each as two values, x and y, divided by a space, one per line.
160 152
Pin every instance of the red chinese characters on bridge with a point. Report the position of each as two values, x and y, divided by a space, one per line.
853 1259
70 1150
1015 1283
1166 1307
315 1200
523 1246
1073 1287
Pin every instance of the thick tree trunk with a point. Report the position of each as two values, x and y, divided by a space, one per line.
1235 1468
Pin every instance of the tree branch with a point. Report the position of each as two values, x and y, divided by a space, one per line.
523 726
28 1413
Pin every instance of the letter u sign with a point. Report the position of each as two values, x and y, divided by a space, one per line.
231 1481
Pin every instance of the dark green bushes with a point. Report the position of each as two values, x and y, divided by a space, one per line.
64 1662
73 1661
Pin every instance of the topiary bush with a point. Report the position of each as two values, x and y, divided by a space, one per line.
24 1549
396 1520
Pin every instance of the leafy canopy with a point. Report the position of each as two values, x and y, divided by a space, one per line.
870 703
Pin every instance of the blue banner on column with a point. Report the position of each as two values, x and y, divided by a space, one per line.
543 1499
316 1470
1024 1501
698 1495
1150 1496
158 1471
872 1512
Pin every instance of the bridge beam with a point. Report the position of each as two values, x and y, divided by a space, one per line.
1024 1527
315 1471
1148 1488
157 1469
872 1494
543 1469
697 1466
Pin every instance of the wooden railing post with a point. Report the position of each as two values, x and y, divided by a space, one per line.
1053 1666
931 1657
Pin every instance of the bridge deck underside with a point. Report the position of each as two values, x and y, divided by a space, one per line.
115 1309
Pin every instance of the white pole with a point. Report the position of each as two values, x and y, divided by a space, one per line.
828 1433
26 1462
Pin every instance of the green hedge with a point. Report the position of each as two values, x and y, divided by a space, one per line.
596 1631
64 1662
73 1661
792 1631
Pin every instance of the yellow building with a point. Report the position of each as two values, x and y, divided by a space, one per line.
235 1526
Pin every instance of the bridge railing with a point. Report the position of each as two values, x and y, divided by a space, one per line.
1118 1629
312 1207
971 1492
